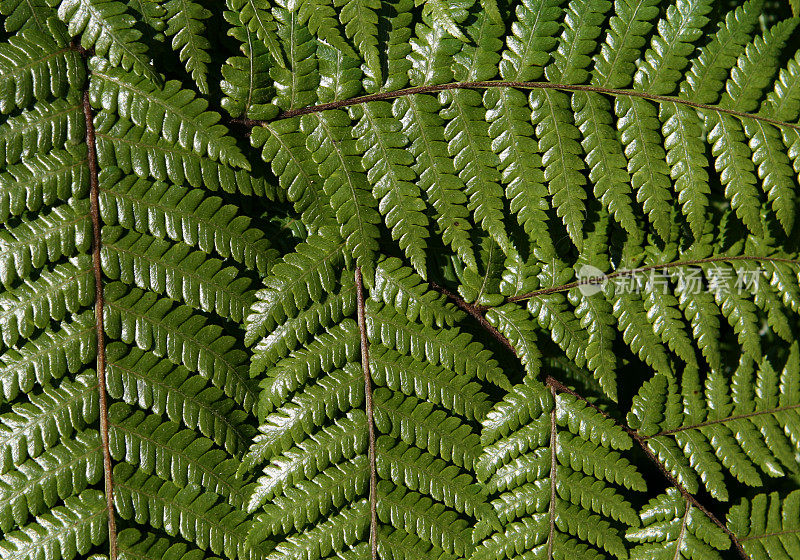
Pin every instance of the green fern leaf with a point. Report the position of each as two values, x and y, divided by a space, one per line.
134 544
50 355
176 271
106 26
141 152
246 85
42 181
215 526
184 215
673 528
65 532
186 27
141 378
60 290
174 454
259 20
448 347
766 525
26 14
557 136
390 172
169 112
35 66
175 332
36 485
28 246
554 510
399 286
33 427
41 129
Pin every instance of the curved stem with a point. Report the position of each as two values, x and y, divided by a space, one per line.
556 385
476 312
633 271
384 95
373 476
94 196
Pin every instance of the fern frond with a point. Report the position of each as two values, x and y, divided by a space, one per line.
283 146
28 245
446 15
436 174
33 427
426 426
141 378
515 324
301 277
425 473
456 392
596 316
704 82
60 290
260 21
37 66
673 528
627 28
398 286
605 157
50 355
132 543
670 47
209 523
343 440
766 525
174 454
42 180
170 112
449 347
41 129
246 83
345 183
346 528
309 500
561 157
63 533
467 136
181 214
106 26
552 501
185 24
429 520
390 172
360 22
136 150
339 392
748 435
36 485
176 332
687 160
176 271
329 350
26 14
321 18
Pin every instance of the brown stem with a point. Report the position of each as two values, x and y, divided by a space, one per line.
631 272
509 84
476 311
553 479
556 385
94 196
373 476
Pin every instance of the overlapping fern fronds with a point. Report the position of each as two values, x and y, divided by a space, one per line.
309 279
